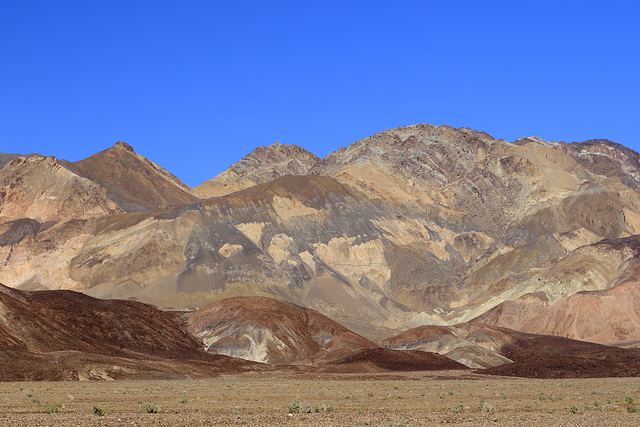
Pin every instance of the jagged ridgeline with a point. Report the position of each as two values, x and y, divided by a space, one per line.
419 225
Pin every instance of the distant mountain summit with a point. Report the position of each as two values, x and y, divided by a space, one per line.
135 183
262 165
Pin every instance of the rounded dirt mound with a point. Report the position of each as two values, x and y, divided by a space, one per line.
384 359
272 331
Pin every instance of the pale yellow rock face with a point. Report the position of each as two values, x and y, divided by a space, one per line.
253 230
355 260
49 270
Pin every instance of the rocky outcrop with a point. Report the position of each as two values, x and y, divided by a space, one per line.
262 165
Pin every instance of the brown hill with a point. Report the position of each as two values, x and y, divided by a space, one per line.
271 331
262 165
543 356
384 359
66 335
135 183
507 352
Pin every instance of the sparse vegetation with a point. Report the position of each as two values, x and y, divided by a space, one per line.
459 408
629 399
398 422
576 410
486 407
98 411
323 408
53 409
296 406
474 404
149 408
184 400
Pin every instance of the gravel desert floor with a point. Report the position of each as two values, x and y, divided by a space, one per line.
432 398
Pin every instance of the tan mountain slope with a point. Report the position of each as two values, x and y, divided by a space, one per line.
46 213
414 225
57 335
305 239
46 189
262 165
498 208
271 331
135 183
607 308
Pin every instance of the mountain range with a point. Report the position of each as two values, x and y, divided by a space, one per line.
420 226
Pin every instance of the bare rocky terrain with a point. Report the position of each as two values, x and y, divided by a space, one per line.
418 249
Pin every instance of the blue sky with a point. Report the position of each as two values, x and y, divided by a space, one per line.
194 86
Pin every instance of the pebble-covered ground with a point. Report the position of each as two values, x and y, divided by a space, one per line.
349 400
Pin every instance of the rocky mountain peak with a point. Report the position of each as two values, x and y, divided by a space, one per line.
124 146
262 165
134 182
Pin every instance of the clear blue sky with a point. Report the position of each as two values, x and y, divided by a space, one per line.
194 86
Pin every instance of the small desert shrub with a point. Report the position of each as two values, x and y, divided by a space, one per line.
35 400
149 408
398 422
323 408
98 411
184 400
576 410
486 407
633 409
297 407
53 409
459 408
629 399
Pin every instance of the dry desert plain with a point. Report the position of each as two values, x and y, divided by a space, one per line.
408 399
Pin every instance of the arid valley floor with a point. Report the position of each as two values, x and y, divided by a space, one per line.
434 398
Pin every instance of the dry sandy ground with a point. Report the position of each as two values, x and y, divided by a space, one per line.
380 399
